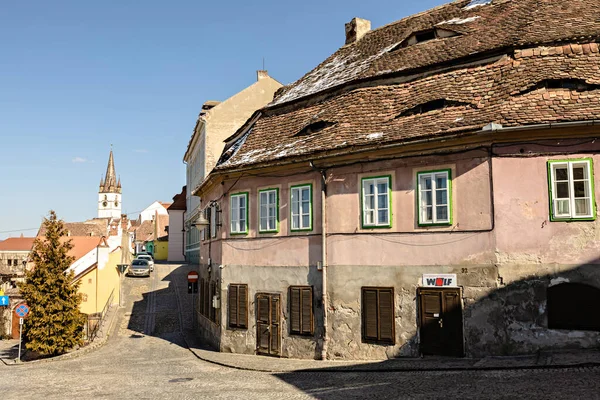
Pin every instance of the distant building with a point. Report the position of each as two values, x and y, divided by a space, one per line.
176 227
216 122
14 253
109 195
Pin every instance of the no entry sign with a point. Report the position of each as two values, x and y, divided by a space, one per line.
193 277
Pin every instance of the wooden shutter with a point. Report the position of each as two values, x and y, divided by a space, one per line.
307 312
386 315
232 302
205 299
378 315
275 313
262 322
242 306
369 312
238 306
295 310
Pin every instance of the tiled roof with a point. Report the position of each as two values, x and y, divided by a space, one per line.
179 200
493 26
96 227
83 245
518 88
17 244
145 232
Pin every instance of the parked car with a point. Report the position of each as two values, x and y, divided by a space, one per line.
139 267
148 258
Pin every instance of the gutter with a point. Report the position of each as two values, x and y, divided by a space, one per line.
493 127
324 296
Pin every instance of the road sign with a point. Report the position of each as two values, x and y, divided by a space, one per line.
22 310
193 277
4 301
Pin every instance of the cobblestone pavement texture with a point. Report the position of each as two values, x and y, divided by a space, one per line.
146 357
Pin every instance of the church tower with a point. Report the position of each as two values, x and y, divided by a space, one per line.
109 195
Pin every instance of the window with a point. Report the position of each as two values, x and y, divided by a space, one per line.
301 310
9 262
239 213
378 315
213 220
301 209
435 197
268 210
376 200
238 306
571 190
201 297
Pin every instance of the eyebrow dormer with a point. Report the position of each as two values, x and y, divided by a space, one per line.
438 104
425 36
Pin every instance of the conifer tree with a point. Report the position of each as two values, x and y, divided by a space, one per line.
55 324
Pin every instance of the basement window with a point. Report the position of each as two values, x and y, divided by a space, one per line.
573 306
424 36
433 105
314 127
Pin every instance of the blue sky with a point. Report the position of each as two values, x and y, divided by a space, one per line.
76 76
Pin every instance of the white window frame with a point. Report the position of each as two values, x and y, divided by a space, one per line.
299 189
272 216
236 216
423 209
589 187
365 209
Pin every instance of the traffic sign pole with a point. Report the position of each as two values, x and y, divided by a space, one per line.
20 337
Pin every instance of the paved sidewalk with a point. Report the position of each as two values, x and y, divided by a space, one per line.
555 359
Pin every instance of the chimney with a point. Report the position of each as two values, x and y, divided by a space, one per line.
261 74
356 29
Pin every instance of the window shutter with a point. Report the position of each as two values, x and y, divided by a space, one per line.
295 310
370 314
243 306
306 325
233 305
206 301
386 315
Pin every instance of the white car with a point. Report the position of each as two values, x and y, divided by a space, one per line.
148 258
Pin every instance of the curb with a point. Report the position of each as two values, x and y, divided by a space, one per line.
390 369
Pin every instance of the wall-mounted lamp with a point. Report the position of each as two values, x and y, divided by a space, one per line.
201 222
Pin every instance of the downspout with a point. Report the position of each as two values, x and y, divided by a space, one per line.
324 296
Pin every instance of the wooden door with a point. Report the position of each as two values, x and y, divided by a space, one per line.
268 320
441 330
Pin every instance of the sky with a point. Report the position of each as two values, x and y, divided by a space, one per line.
77 76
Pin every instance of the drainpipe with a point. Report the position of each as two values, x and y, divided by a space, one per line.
324 296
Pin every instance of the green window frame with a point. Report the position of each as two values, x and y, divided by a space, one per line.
434 198
571 190
238 213
301 208
268 210
376 202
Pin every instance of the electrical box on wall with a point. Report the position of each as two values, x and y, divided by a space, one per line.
319 266
216 303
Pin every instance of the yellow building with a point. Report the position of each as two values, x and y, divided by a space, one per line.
95 267
161 249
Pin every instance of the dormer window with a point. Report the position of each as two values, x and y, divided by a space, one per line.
314 127
578 85
433 105
425 36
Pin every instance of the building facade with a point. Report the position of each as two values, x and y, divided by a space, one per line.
177 227
401 200
216 122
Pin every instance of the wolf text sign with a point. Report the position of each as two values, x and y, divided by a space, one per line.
439 280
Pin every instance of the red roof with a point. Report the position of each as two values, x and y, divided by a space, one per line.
17 244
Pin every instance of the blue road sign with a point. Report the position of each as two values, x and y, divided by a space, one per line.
4 301
22 310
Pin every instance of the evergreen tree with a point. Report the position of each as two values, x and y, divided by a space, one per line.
55 324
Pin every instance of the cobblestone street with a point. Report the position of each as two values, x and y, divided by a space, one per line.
146 357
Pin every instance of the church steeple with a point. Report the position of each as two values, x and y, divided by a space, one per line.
109 195
109 185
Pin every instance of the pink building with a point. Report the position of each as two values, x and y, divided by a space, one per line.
427 189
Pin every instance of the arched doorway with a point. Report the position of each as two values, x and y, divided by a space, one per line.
574 306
